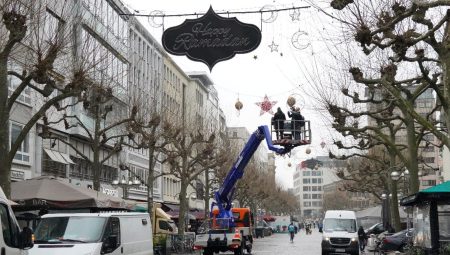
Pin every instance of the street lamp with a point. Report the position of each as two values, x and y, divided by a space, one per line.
385 209
127 182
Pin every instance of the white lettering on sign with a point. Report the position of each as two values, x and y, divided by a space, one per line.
110 192
17 175
216 37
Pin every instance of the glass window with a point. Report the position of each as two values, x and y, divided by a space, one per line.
348 225
69 229
307 180
22 153
306 188
9 229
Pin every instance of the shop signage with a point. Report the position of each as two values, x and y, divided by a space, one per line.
110 192
211 38
17 175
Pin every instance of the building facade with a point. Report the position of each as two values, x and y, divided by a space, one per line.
310 177
123 55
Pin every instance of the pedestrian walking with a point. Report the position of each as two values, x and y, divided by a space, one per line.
297 121
291 230
278 123
362 238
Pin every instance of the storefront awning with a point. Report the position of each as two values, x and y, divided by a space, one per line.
438 193
59 157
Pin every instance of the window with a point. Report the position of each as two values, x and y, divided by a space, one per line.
306 188
316 196
25 96
22 153
306 173
305 181
9 229
306 204
316 188
428 182
428 159
306 196
314 180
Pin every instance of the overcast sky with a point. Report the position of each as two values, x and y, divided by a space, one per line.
277 74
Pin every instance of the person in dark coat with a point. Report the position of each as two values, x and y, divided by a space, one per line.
297 121
278 122
362 238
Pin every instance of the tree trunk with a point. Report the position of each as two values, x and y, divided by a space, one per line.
207 193
150 180
96 166
5 167
413 166
183 207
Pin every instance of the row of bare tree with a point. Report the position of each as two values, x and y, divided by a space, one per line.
38 50
391 56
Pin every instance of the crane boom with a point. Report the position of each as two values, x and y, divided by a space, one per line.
224 195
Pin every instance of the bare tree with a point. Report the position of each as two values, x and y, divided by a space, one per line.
111 126
412 38
189 153
35 57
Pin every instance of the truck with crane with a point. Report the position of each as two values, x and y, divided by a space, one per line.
230 229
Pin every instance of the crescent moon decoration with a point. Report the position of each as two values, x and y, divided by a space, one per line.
269 17
153 15
295 40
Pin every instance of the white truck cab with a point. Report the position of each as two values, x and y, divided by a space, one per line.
340 233
13 241
93 234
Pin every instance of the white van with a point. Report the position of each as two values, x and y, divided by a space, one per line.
340 233
93 234
12 240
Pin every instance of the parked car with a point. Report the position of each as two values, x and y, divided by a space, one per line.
376 229
262 229
396 241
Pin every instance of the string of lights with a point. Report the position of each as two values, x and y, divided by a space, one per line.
222 12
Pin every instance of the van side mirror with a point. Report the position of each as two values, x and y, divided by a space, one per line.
26 238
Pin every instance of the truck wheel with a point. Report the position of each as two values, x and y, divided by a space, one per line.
239 251
207 252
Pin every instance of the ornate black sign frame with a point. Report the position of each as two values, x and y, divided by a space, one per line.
211 38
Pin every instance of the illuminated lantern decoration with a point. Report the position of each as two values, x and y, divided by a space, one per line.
291 101
308 150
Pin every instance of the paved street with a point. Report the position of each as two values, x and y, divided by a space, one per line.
278 244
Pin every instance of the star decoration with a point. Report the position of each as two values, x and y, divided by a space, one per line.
255 57
295 15
273 47
266 105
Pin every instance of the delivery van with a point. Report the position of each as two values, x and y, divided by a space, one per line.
94 234
12 240
340 233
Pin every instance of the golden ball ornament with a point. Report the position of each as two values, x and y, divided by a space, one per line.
238 105
291 101
308 150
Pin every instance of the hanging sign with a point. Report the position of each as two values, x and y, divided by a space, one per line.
211 38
